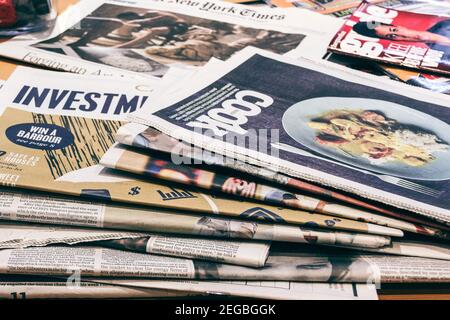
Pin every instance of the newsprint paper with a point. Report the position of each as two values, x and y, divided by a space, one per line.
148 138
140 162
31 287
55 129
144 38
27 206
280 266
253 254
369 136
36 287
277 290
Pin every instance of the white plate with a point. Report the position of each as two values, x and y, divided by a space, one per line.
296 118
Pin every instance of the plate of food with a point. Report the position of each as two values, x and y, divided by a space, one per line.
376 135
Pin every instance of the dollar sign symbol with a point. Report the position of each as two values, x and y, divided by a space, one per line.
134 191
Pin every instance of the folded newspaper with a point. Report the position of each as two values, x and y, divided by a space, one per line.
142 136
344 131
35 287
39 287
280 266
146 37
48 144
253 254
27 206
276 290
137 162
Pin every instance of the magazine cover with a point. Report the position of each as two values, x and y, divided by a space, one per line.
396 37
145 38
323 123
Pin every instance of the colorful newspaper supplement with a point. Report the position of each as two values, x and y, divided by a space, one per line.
142 136
345 131
134 161
145 38
51 143
396 37
27 206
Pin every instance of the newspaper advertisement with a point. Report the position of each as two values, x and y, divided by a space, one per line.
277 290
280 266
253 254
145 38
32 287
23 206
407 39
138 162
393 156
142 136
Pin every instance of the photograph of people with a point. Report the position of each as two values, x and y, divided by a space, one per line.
133 38
436 37
294 268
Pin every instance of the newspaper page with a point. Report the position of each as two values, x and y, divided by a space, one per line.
280 266
25 206
407 167
144 137
253 254
417 78
144 38
413 40
163 167
14 235
26 287
415 249
48 144
277 290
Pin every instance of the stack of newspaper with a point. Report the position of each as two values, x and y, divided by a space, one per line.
206 148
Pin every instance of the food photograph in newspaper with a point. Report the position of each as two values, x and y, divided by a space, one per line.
407 39
363 139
